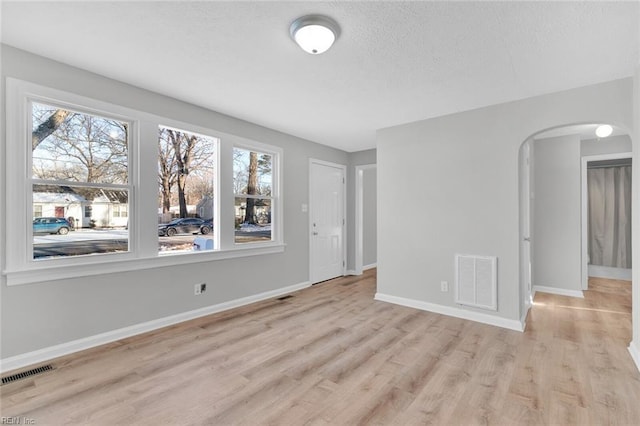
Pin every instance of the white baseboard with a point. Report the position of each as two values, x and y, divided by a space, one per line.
634 350
370 266
609 272
45 354
453 312
559 291
351 272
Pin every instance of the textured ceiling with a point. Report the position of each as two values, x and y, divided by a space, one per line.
395 62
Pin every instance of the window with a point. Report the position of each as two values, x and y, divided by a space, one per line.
78 159
87 196
186 171
253 190
120 210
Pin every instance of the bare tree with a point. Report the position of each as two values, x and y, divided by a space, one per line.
183 146
48 126
166 169
248 180
181 155
252 189
199 186
84 148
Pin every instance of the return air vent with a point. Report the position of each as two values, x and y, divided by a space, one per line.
476 282
25 374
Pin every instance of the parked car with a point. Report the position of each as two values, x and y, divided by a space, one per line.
186 225
51 225
207 227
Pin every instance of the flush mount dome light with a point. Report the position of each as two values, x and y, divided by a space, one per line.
314 33
604 131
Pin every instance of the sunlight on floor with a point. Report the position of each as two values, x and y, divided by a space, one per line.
542 304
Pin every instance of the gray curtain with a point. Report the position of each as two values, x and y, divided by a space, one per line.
610 216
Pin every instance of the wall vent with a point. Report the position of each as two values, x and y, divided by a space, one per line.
476 282
25 374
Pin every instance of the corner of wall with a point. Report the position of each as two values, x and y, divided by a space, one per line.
634 350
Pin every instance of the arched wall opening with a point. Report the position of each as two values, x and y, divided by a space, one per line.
553 205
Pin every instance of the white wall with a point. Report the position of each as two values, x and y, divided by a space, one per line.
369 219
41 315
557 232
457 175
610 145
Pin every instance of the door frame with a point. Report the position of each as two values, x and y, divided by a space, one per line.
526 205
584 197
343 169
359 222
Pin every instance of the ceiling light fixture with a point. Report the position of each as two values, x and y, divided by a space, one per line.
314 33
604 130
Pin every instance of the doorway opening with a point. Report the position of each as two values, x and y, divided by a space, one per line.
365 218
606 217
554 208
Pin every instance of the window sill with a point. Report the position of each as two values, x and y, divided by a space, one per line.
52 273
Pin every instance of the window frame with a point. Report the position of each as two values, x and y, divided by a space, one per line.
92 108
19 265
20 96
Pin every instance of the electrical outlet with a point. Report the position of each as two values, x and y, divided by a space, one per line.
444 286
199 288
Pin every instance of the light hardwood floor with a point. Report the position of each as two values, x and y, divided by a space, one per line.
333 355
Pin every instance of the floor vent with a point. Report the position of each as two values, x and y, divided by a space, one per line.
25 374
288 296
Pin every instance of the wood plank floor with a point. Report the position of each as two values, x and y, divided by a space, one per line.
333 355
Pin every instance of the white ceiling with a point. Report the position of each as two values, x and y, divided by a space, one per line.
395 62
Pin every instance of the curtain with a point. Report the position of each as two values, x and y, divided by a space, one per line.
609 190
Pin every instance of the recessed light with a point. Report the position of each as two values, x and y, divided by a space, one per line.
604 130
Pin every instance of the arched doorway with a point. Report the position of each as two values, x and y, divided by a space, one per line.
554 236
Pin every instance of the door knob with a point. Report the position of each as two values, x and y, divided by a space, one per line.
315 233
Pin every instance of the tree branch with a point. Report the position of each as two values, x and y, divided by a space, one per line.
47 127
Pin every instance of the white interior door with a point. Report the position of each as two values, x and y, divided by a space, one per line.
327 220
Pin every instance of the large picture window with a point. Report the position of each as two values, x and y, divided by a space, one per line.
253 188
79 164
186 199
99 188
